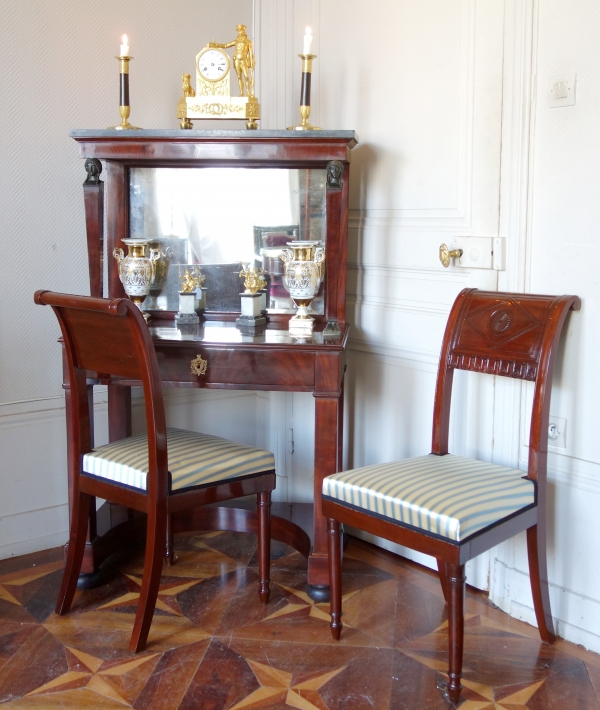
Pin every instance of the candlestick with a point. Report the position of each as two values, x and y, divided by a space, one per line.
307 60
307 41
124 108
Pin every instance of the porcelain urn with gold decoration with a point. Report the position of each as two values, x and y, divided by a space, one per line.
136 270
304 268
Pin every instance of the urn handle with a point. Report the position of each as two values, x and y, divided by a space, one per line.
286 255
118 254
320 261
154 257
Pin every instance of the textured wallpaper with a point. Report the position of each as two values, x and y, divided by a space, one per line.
57 71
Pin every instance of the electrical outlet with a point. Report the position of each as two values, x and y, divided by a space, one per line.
557 433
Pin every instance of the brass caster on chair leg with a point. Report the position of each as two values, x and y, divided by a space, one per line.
451 695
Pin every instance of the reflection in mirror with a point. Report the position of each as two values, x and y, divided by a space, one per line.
222 219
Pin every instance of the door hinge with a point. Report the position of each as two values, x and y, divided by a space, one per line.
290 441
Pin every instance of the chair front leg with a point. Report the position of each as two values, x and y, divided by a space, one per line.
456 627
334 545
263 504
80 514
443 572
156 538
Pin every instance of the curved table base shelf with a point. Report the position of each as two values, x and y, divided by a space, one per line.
228 518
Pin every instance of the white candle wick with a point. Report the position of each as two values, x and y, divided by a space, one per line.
124 46
307 41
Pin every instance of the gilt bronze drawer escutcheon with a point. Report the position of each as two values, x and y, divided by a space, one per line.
199 365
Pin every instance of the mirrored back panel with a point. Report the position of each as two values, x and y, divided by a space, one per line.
221 220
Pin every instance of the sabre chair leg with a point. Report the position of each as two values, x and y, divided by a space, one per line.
334 545
456 627
80 515
153 562
263 504
538 574
443 572
170 548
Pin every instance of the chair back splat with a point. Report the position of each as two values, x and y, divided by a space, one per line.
161 473
455 508
110 338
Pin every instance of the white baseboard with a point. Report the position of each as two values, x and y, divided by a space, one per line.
574 614
33 530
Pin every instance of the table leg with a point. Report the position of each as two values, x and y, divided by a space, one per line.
327 415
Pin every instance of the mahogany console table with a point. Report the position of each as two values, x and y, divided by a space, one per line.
268 359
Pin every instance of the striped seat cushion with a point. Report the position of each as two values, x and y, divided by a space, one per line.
449 496
194 460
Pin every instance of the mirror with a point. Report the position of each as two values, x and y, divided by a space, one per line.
221 219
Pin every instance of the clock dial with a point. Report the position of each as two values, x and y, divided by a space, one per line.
213 64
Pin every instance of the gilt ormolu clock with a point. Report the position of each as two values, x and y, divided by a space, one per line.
213 97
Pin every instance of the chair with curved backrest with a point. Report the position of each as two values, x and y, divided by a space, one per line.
454 508
165 471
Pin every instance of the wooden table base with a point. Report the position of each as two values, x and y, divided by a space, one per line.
239 516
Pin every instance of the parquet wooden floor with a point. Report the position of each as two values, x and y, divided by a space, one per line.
213 646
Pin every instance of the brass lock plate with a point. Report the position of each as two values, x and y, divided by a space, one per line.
198 365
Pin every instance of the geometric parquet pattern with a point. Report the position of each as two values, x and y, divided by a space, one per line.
213 646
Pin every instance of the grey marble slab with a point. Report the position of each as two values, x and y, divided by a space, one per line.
209 133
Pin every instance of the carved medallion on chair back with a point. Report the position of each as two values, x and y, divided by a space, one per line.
500 335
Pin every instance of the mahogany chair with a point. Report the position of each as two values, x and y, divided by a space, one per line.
165 471
451 507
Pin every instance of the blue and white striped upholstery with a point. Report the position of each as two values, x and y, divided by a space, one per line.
449 496
194 460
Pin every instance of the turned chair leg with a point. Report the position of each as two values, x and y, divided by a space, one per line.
153 562
538 574
334 545
443 572
456 628
263 504
80 515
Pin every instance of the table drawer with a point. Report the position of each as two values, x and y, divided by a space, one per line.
237 367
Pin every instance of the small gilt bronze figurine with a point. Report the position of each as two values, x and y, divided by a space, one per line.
254 280
186 89
190 282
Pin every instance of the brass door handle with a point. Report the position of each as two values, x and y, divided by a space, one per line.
446 254
198 365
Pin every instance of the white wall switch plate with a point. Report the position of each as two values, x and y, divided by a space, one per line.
561 90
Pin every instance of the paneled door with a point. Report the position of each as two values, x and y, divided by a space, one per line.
421 83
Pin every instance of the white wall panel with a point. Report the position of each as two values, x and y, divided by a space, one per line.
557 244
57 71
421 83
